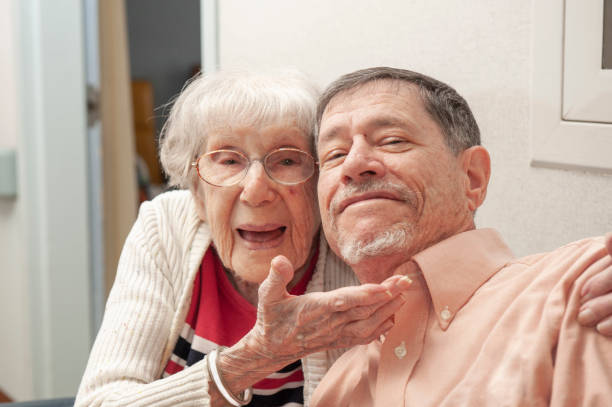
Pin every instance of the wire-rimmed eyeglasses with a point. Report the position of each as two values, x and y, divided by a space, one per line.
224 168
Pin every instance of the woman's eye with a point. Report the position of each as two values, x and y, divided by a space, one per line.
225 159
287 162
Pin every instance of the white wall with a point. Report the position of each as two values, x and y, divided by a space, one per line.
483 50
15 352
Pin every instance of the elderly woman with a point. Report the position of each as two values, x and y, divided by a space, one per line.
195 261
202 311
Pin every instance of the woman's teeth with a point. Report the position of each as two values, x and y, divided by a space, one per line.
259 237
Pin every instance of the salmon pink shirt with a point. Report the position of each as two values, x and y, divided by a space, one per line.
481 328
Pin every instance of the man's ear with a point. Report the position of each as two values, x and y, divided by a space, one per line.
198 196
477 168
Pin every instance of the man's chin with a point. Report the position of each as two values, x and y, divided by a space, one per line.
355 250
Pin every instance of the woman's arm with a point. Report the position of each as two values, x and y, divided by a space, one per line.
124 364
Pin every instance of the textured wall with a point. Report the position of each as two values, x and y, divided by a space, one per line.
483 51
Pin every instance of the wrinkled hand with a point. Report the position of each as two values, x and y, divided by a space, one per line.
596 309
289 327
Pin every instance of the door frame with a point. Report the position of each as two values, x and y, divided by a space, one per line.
53 172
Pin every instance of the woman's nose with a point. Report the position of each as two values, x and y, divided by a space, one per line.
257 188
362 162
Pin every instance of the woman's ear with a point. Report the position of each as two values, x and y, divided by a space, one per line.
477 167
198 196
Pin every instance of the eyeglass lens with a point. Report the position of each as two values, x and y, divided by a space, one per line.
227 167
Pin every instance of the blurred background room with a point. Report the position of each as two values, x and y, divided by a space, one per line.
85 87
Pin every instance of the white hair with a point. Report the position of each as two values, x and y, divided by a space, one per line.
354 251
234 98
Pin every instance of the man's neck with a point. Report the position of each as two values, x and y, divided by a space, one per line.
376 269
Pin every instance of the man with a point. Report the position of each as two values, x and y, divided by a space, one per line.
402 172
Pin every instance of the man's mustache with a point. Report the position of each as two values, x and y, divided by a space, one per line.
399 191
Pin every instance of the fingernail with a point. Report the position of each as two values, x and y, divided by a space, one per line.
605 327
586 316
406 279
389 293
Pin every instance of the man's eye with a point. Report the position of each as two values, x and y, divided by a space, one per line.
333 159
394 144
335 156
390 141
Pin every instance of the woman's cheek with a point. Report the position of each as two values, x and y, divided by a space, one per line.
306 222
223 243
221 233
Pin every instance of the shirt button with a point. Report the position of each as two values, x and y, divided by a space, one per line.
400 351
446 314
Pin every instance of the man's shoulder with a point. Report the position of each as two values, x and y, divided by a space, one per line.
580 250
565 267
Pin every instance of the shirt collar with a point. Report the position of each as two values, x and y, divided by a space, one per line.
456 267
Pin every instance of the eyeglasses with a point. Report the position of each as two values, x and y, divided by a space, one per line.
224 168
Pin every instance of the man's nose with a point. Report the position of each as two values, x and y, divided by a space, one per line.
257 188
362 161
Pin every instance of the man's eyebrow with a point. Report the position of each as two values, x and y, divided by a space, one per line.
329 134
373 123
389 121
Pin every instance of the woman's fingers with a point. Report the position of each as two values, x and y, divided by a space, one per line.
334 308
274 287
353 327
346 341
599 284
596 308
602 306
608 242
347 298
604 327
598 312
297 325
394 291
364 328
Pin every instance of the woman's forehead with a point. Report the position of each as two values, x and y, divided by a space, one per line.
270 135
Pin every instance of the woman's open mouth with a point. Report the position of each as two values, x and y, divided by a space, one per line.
262 238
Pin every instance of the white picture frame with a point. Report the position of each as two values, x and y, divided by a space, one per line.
557 140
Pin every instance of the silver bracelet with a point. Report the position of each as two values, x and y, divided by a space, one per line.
246 395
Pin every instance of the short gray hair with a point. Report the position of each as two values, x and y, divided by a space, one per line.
236 98
445 106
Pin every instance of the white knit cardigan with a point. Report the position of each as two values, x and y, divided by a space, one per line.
147 307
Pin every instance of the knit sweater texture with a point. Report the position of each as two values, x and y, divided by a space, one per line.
147 307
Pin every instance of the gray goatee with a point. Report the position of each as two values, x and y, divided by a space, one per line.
355 249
